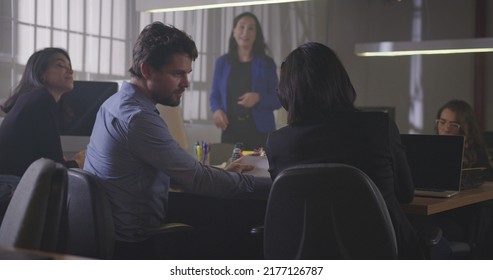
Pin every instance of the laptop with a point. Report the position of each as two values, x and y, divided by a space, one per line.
435 162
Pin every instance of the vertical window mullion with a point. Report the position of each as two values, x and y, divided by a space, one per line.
99 35
68 23
13 44
52 24
84 39
35 41
110 57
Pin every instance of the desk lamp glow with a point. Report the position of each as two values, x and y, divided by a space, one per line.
157 6
425 47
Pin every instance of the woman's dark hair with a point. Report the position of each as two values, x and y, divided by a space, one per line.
468 127
157 43
314 82
259 45
32 78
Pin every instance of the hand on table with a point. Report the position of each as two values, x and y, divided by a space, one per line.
236 166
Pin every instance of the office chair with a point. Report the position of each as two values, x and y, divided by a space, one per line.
35 213
327 211
90 231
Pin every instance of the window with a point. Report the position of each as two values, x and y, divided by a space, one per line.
92 31
210 29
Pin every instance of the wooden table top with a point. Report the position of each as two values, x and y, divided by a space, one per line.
422 205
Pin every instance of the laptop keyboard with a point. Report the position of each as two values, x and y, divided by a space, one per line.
431 190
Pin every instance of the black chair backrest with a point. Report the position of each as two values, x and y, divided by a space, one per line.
33 219
90 230
327 211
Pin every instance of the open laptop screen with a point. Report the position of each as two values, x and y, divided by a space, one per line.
435 161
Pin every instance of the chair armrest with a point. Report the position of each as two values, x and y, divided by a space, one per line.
257 230
430 236
165 229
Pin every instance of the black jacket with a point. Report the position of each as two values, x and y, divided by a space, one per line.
369 141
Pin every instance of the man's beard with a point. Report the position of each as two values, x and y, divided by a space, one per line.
171 100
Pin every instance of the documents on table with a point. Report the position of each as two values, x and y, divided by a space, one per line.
261 165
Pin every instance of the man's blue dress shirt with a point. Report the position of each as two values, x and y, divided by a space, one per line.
132 150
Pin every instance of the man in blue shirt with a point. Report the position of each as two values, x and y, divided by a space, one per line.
132 150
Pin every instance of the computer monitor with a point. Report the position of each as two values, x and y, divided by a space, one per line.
78 113
386 109
80 106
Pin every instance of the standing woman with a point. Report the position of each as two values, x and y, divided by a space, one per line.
243 95
30 129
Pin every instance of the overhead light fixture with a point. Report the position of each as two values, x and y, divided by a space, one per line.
160 6
425 47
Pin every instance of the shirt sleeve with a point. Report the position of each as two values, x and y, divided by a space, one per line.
267 72
215 99
152 143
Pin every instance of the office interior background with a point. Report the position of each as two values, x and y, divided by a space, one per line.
99 35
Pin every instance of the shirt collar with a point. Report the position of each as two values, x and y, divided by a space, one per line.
135 92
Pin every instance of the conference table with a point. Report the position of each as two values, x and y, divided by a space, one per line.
12 253
221 225
422 205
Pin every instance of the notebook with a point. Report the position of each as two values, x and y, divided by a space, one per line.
261 165
472 177
435 162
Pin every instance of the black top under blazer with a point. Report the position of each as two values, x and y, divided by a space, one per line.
369 141
30 131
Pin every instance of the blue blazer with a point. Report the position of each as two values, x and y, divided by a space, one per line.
264 82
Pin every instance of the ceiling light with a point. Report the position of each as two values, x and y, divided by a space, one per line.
160 6
425 47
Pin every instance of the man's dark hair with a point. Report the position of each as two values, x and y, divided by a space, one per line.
157 43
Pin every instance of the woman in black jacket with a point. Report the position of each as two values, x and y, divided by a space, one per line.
30 129
325 127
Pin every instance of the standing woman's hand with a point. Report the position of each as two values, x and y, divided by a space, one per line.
249 99
220 119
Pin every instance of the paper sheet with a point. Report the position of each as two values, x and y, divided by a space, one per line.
261 165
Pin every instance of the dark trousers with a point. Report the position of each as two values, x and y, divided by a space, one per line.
202 243
8 183
158 247
145 250
244 132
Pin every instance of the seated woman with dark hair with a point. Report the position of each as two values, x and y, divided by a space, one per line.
325 127
30 129
456 117
471 224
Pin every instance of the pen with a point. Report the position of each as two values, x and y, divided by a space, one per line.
204 151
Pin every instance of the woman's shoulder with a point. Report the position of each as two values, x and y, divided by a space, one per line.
221 59
36 97
264 59
221 62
